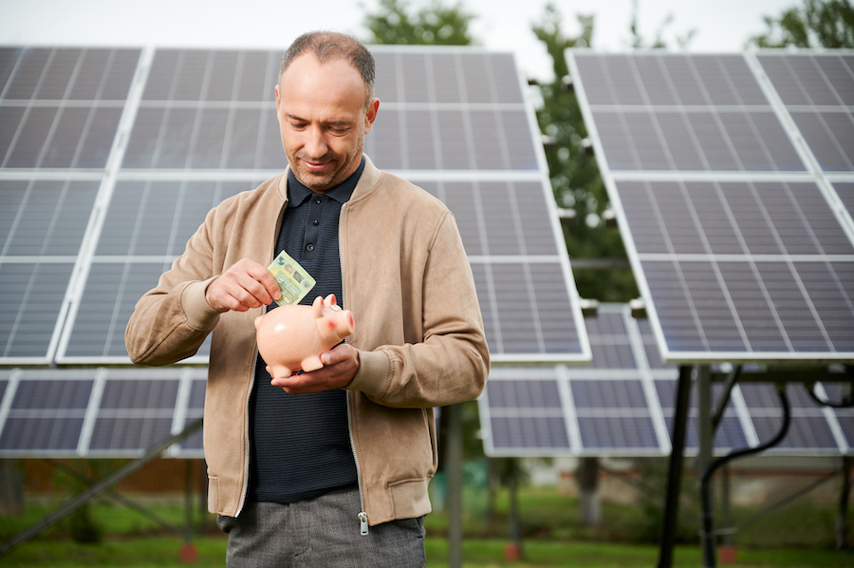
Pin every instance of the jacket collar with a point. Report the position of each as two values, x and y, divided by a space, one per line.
370 176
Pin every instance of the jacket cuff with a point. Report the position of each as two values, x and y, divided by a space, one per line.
199 314
372 376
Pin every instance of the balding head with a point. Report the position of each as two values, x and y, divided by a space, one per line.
327 46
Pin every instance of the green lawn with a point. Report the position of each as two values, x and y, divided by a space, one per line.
149 551
799 535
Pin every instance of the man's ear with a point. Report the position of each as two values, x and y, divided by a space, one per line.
370 114
278 100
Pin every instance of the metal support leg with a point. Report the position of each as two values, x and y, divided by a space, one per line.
842 518
454 473
97 488
707 532
674 479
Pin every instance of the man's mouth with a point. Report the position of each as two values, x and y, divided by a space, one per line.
315 167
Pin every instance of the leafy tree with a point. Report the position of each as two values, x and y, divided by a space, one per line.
817 23
639 42
436 24
574 174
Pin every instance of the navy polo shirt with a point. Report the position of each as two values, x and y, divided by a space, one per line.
300 444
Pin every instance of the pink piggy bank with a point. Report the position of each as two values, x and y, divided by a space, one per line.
291 338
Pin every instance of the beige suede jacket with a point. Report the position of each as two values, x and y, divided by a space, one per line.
419 333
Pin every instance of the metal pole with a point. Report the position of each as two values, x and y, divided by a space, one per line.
96 488
674 478
454 472
515 521
707 532
188 500
86 480
842 518
704 458
726 504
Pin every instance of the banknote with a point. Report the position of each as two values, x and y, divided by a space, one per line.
293 280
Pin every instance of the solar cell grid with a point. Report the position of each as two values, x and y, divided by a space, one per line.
111 292
44 217
46 414
97 412
157 218
656 112
61 106
31 296
609 408
818 92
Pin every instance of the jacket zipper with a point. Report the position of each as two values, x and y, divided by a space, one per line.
363 516
246 470
252 375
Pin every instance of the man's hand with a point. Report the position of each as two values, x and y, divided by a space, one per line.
246 284
340 366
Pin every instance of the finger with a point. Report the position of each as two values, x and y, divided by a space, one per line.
296 384
263 277
251 292
341 353
220 297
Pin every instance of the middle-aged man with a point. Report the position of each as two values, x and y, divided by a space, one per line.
330 467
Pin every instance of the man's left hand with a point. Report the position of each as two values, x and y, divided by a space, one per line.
339 367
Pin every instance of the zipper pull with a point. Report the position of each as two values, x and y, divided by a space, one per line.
363 517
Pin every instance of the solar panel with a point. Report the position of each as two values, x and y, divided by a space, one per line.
623 404
742 248
98 412
609 408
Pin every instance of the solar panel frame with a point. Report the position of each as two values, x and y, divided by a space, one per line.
683 339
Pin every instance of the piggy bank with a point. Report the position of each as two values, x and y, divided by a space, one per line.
291 338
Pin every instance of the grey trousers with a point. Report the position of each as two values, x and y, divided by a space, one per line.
321 532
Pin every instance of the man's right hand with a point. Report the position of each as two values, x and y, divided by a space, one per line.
246 284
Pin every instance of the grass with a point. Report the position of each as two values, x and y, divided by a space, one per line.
159 550
799 535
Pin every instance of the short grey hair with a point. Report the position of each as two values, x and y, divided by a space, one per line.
331 45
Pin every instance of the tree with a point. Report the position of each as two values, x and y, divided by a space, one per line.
435 24
574 174
638 40
818 23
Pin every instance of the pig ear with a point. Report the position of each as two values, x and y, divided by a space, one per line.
331 300
317 307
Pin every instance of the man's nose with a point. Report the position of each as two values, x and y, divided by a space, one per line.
315 144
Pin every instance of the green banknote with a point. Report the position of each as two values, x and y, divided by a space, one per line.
293 280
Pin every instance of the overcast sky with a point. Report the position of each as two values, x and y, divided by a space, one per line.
720 25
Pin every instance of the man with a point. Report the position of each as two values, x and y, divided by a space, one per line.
330 467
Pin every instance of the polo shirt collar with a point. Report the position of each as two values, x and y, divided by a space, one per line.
298 193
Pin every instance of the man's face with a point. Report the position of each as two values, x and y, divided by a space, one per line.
323 120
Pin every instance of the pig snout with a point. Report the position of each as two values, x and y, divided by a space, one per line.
348 326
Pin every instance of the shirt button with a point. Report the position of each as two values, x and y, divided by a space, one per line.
318 200
309 247
315 222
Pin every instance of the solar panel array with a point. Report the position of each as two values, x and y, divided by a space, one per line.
731 176
622 405
110 159
99 412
